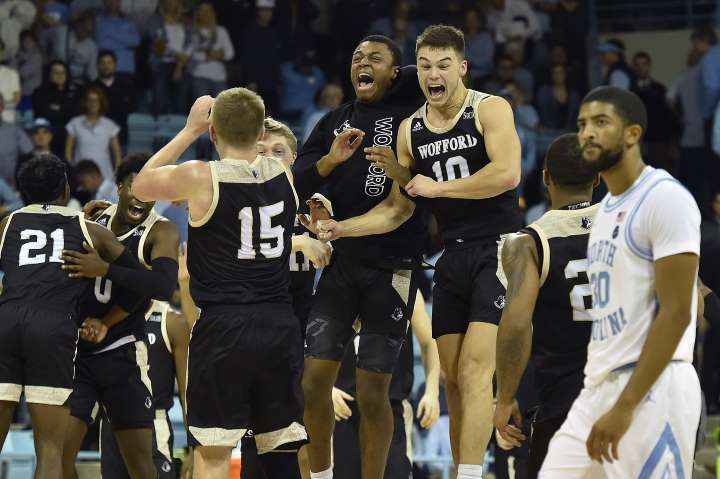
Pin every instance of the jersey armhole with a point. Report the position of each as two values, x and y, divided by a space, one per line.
291 180
84 228
4 233
216 195
479 98
543 249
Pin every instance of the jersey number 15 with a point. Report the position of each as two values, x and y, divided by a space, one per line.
258 237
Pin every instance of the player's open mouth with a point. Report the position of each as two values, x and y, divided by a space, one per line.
365 82
136 212
436 91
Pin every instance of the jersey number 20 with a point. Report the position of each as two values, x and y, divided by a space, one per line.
268 241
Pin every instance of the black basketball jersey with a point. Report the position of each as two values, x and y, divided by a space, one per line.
239 252
162 364
302 271
107 294
458 152
561 322
30 255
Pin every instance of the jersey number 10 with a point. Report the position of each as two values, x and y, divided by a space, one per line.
268 241
451 164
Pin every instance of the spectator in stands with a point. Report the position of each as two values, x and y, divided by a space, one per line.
42 136
617 71
80 7
13 143
512 20
705 42
557 102
114 31
92 135
15 16
82 50
91 181
569 28
521 75
331 97
526 122
301 80
506 71
53 22
479 45
385 25
29 61
9 199
9 86
662 127
56 100
212 47
119 91
170 52
260 66
140 11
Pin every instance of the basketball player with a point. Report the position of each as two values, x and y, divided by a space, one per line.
245 353
638 413
464 149
280 142
548 297
39 305
168 336
113 372
370 278
346 447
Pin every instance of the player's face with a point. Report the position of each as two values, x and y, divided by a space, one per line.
440 73
372 71
601 133
132 210
278 147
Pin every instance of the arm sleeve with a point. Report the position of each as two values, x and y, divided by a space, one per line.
672 220
307 178
158 283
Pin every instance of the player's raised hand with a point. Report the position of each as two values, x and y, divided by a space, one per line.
84 265
604 439
385 158
422 186
198 120
344 145
329 230
93 330
342 410
511 434
93 207
428 410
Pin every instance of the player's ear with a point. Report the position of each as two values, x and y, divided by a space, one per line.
463 68
546 177
633 135
396 72
213 135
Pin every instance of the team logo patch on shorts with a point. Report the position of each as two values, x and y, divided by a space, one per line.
148 402
397 314
165 466
500 302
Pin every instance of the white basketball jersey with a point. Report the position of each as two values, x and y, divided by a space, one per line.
655 218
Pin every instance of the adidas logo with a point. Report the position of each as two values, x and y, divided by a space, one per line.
417 126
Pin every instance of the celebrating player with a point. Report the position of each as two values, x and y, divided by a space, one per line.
245 354
548 298
638 414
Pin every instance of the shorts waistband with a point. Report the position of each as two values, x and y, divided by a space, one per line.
454 244
262 307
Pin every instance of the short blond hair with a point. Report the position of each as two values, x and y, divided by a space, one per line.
237 116
274 127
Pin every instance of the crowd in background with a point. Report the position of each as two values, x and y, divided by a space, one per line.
71 72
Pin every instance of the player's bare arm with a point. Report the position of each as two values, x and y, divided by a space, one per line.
514 339
162 179
503 148
189 309
674 282
317 252
428 410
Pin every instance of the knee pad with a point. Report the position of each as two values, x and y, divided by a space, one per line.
325 338
378 353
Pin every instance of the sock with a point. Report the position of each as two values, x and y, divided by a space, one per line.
326 474
280 465
470 471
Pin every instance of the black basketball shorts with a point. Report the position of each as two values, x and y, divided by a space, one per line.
469 286
118 381
37 350
380 300
112 464
245 372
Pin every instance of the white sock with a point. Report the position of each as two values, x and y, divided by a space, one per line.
470 471
326 474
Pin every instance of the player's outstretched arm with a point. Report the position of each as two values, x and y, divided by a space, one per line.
429 406
160 178
179 334
503 148
514 339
